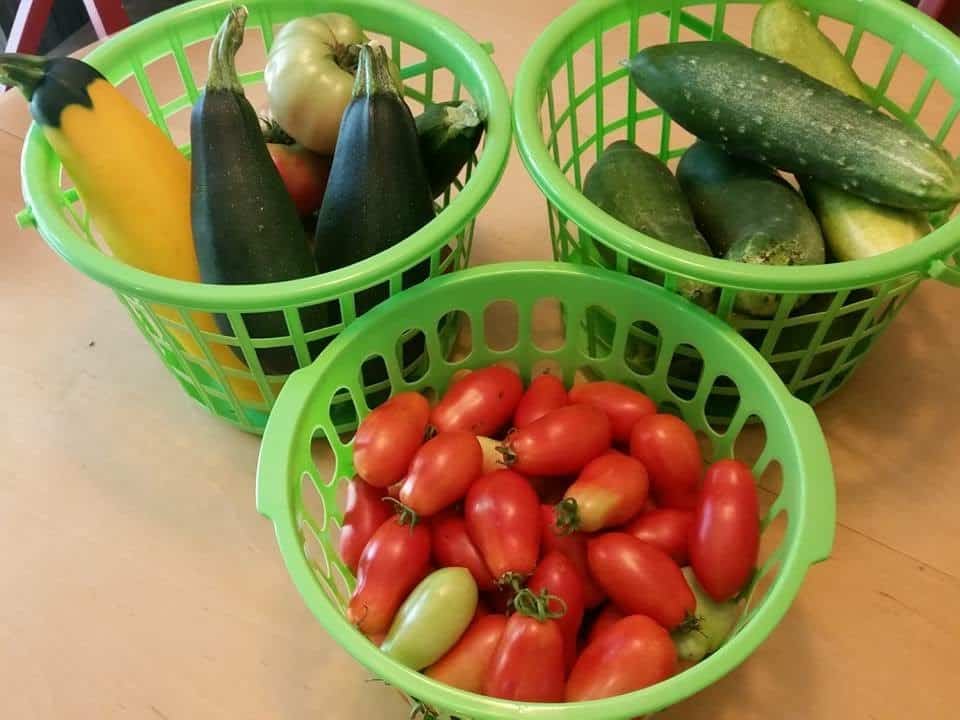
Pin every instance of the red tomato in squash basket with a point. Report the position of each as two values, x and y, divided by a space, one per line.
546 393
557 576
364 512
610 615
393 562
667 529
669 451
441 472
629 655
726 530
481 403
609 491
641 579
561 442
502 513
623 405
389 437
452 547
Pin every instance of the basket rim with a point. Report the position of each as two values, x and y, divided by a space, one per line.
40 166
922 256
813 520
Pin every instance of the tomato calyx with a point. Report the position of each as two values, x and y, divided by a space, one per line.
568 516
429 432
512 580
405 515
507 455
537 605
690 623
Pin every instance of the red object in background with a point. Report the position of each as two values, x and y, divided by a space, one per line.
106 17
946 11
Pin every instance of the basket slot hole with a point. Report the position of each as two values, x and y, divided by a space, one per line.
548 331
836 30
722 403
509 364
322 456
312 502
751 441
738 22
642 347
376 384
501 325
456 326
668 407
600 325
343 412
654 29
164 79
178 123
368 298
772 536
252 55
412 355
615 98
905 83
686 369
616 47
445 87
868 63
314 550
342 583
547 366
706 445
416 274
771 479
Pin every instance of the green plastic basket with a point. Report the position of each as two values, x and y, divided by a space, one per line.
300 478
572 98
438 60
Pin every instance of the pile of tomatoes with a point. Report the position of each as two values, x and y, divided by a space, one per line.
584 553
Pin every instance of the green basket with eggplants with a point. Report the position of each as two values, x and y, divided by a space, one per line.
439 62
305 463
573 98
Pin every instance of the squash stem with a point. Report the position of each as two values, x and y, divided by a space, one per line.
373 72
24 71
223 52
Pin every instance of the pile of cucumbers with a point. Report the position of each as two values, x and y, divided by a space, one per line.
791 103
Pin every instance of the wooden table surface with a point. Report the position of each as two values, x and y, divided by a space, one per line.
138 581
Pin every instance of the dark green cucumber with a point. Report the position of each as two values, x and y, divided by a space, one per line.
637 189
749 214
853 227
764 109
245 225
449 135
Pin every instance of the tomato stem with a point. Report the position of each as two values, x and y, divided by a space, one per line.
568 516
537 606
405 515
690 623
508 456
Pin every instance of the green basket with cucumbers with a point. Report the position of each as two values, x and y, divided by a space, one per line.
340 151
763 160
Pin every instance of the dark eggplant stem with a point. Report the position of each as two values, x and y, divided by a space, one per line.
373 72
223 52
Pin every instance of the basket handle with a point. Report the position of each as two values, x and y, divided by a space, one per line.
820 495
274 469
948 274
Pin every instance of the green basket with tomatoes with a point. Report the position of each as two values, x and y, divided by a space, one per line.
535 318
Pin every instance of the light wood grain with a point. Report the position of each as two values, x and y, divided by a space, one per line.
137 580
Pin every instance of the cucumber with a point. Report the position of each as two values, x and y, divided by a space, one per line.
765 109
749 214
449 135
637 189
853 227
245 225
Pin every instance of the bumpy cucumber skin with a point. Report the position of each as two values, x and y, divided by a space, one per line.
758 107
749 214
636 188
853 227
